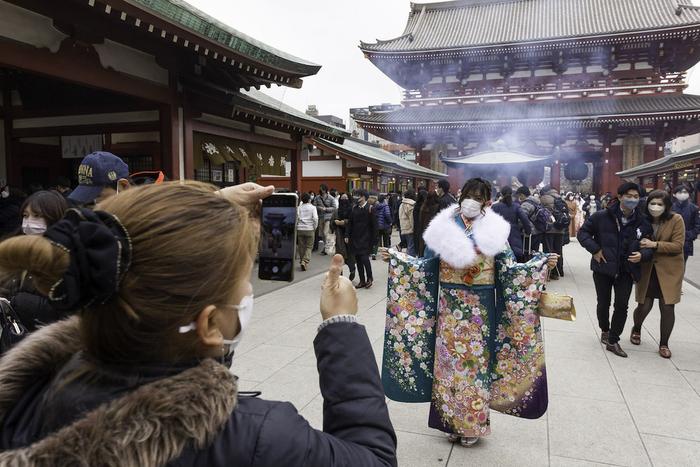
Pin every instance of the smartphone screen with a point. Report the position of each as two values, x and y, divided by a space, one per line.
278 237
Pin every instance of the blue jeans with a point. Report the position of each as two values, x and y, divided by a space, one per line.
408 240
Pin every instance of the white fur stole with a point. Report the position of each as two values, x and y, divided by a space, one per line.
446 238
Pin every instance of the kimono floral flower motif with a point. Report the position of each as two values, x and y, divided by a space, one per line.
410 325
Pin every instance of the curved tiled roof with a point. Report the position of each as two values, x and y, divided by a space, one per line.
463 24
372 153
557 110
186 16
659 165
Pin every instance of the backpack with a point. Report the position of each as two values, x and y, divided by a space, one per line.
562 219
541 218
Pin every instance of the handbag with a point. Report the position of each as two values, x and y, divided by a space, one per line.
11 328
557 306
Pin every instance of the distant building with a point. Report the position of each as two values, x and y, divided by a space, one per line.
503 88
332 120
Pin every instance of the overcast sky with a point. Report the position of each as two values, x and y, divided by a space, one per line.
328 32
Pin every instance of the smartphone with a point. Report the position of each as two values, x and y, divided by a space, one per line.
278 237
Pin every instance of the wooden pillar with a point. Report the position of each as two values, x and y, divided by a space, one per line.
188 139
555 179
7 132
296 174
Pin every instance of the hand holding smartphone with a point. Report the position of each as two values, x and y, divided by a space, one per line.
278 237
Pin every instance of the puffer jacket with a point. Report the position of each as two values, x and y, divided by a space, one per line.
689 213
406 216
383 214
605 231
58 407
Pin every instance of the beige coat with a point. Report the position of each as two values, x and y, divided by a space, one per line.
406 216
668 260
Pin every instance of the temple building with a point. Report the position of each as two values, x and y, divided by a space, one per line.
567 92
157 82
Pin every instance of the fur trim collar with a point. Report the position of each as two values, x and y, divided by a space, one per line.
446 238
151 425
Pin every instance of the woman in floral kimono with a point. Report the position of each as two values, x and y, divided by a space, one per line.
488 351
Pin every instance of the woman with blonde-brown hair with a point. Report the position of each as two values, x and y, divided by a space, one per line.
140 375
662 278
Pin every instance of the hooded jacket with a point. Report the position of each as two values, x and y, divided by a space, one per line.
406 216
184 416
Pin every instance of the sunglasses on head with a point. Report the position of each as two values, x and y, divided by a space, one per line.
149 177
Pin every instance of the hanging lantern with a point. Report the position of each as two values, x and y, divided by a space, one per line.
576 171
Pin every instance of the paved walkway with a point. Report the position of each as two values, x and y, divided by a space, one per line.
603 410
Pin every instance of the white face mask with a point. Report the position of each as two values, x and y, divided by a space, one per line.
682 196
656 210
33 225
470 208
5 193
245 313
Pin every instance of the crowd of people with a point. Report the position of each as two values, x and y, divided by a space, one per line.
119 341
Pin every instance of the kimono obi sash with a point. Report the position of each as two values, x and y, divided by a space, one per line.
482 272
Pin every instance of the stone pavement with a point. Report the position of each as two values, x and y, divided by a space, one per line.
603 410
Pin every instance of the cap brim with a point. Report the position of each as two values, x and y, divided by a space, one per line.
85 194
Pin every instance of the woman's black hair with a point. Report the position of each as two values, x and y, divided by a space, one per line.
476 186
305 197
50 205
410 194
507 195
668 204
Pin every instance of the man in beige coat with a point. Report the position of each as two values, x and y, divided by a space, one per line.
662 278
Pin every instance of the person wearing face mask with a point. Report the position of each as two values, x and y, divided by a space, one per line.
141 374
572 206
612 236
475 368
361 231
40 211
689 212
591 206
662 278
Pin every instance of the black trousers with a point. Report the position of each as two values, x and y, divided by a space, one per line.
383 240
364 268
604 285
553 243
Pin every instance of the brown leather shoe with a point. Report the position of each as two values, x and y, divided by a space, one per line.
636 338
616 349
664 351
604 337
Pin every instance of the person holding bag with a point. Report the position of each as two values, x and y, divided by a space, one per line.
662 278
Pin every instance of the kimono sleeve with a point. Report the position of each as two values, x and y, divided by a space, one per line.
409 335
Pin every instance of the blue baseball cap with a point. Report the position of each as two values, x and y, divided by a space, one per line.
97 170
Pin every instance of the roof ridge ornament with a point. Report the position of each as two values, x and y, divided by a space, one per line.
680 8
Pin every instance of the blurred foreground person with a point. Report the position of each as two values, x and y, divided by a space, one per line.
140 377
662 278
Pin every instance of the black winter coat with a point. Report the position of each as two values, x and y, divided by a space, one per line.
689 213
158 415
362 229
604 230
519 224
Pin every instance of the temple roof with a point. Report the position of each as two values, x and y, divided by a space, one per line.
262 106
189 18
497 157
373 154
660 165
602 110
463 24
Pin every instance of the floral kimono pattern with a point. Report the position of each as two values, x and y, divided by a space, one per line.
488 350
409 339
